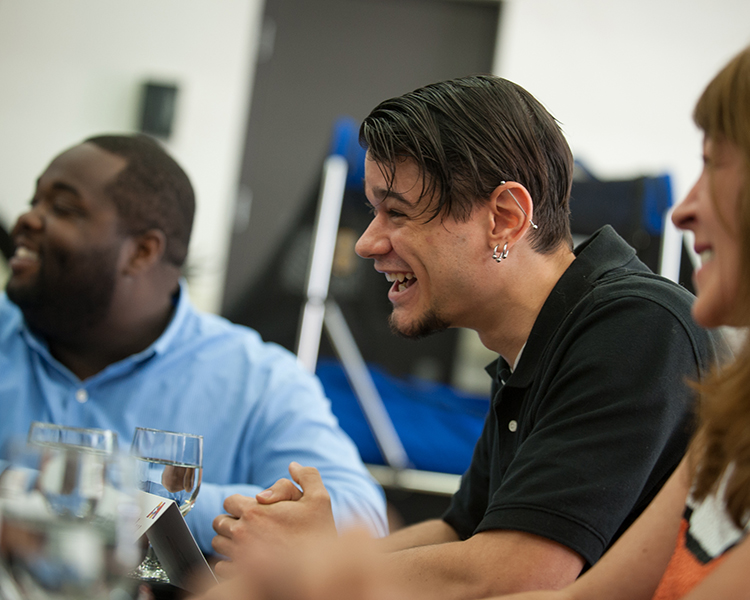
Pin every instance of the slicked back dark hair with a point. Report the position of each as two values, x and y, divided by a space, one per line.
151 192
466 136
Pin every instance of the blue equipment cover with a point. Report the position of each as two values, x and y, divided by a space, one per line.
438 425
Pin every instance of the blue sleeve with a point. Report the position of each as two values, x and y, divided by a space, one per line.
289 419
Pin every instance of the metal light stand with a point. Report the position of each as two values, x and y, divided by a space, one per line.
320 311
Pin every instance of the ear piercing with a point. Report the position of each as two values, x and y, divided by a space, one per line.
502 255
533 225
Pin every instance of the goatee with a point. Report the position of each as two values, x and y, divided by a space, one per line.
428 324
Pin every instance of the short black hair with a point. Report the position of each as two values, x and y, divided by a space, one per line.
466 136
151 192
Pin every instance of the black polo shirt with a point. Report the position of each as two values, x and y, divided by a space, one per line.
597 414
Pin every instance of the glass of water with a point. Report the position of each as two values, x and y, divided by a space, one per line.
170 465
46 434
67 523
82 473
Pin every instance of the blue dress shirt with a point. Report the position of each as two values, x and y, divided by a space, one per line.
255 407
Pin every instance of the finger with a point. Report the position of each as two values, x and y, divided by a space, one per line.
236 504
280 491
308 478
222 546
223 525
225 569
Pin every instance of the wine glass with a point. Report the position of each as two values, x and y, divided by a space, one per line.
102 440
170 465
67 523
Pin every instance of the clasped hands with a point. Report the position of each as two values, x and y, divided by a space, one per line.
282 517
283 544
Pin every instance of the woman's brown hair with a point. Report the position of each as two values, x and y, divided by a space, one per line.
722 445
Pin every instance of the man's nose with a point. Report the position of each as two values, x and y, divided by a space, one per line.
373 242
32 219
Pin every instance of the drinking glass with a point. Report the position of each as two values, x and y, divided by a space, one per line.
170 465
45 434
67 523
79 498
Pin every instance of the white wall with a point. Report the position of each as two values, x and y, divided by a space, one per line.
71 69
623 76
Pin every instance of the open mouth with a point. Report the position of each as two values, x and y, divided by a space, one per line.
706 255
23 257
25 253
401 281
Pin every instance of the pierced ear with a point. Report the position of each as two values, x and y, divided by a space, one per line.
510 208
147 249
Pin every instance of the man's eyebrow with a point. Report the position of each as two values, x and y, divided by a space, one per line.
383 193
60 186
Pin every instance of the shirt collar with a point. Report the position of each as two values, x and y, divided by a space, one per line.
518 358
181 302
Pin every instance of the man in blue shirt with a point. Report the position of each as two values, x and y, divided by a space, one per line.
97 330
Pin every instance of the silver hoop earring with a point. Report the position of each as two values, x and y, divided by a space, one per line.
502 255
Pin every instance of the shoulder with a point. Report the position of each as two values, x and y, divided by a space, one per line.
644 300
607 270
643 284
658 305
212 343
204 332
634 318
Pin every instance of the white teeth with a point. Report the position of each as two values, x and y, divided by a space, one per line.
391 277
706 255
22 252
402 278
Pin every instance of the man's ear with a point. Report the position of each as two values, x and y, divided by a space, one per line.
145 250
511 209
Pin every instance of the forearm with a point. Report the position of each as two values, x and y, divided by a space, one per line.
437 571
644 549
633 567
435 531
488 564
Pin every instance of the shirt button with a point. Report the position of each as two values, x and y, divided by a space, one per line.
513 425
82 396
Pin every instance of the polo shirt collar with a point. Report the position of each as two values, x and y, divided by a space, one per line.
598 255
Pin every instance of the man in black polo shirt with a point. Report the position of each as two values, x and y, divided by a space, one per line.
469 182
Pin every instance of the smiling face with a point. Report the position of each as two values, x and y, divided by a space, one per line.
710 211
429 262
68 242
